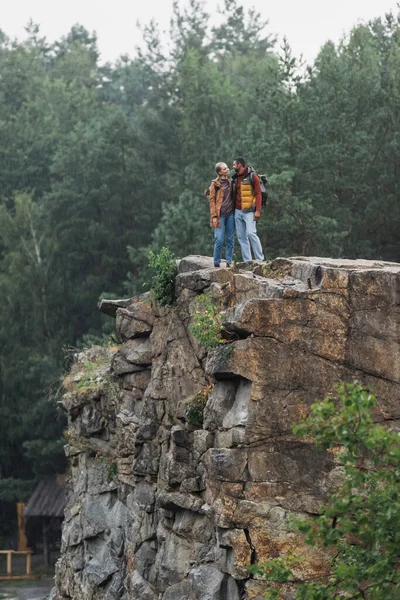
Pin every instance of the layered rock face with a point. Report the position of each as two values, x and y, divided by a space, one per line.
164 507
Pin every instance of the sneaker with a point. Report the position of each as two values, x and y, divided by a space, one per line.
215 265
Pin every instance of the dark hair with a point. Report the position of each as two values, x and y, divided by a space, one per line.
241 161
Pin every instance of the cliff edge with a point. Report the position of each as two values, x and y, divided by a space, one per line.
183 467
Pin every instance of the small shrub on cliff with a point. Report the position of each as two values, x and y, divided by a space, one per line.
195 405
206 324
194 414
112 471
360 523
163 282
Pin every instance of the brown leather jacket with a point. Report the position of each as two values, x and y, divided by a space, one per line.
216 197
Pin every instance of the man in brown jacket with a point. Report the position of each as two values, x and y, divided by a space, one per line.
222 217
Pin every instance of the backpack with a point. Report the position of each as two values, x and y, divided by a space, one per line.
207 191
263 185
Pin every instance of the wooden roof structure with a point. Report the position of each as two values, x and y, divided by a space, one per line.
48 498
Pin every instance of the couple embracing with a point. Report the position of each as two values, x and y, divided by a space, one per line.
235 205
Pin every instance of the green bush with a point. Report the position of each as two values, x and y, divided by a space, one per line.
112 471
163 282
195 405
195 414
206 324
360 522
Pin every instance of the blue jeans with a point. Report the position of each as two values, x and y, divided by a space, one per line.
226 229
246 232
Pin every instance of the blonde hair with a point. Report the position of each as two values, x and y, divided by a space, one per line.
218 167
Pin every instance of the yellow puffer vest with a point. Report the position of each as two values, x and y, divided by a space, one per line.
247 195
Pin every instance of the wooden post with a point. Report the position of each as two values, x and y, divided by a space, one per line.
9 572
28 564
22 541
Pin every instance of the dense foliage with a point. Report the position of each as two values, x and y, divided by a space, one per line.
360 523
98 162
165 269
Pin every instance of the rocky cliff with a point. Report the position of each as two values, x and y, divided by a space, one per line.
183 467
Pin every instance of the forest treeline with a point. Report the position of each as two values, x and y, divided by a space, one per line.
99 162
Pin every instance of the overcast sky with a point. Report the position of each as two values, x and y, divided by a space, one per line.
306 23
